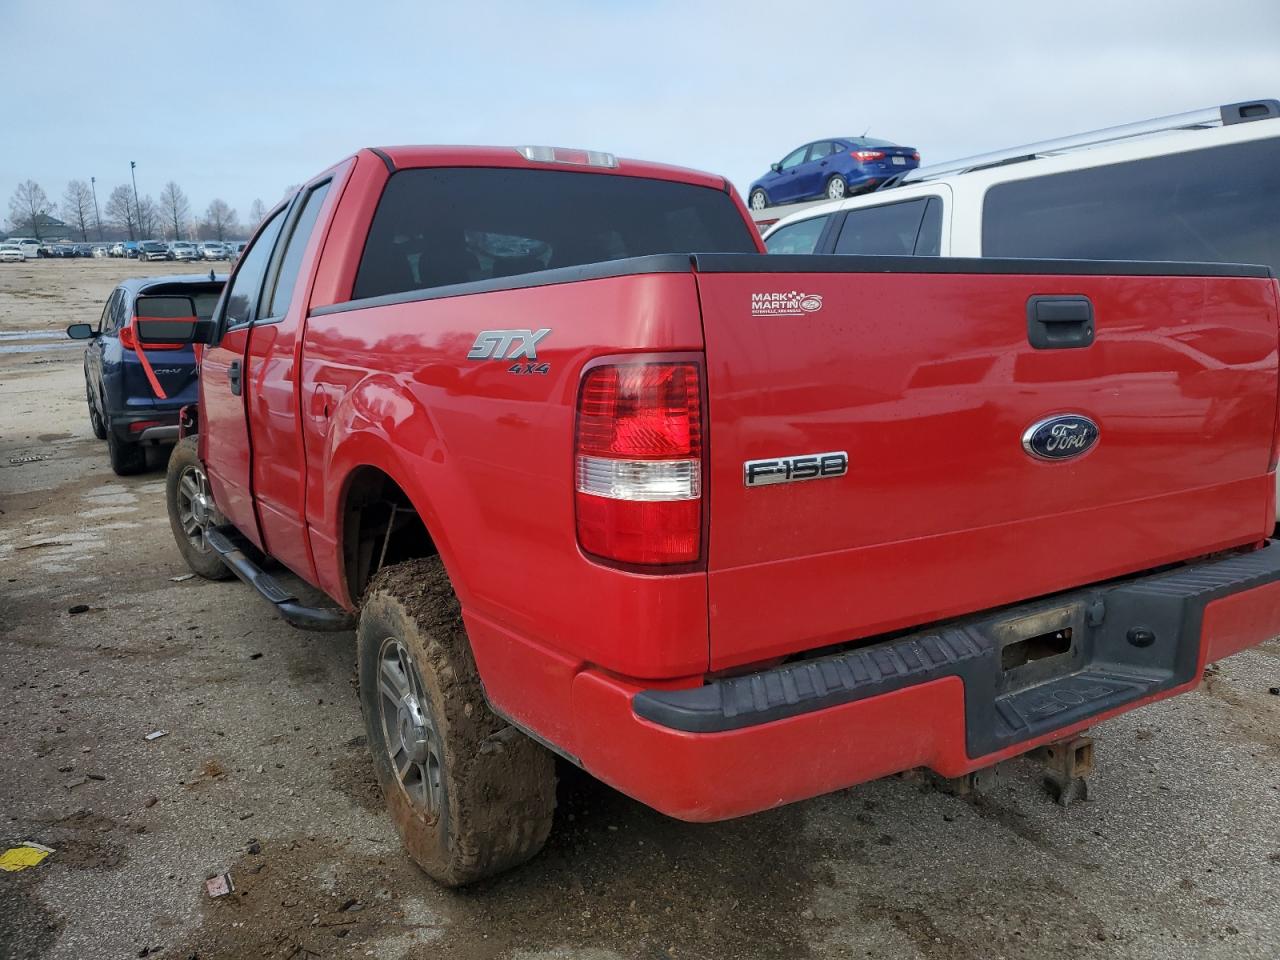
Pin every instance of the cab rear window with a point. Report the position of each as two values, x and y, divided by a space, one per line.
441 226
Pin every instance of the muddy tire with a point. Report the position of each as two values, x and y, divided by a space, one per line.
185 485
470 795
126 458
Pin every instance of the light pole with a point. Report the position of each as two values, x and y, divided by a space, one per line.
97 217
137 207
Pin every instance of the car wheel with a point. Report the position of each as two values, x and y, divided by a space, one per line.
836 188
126 458
95 418
470 795
192 511
759 200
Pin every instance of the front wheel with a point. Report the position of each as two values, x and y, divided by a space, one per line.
836 188
759 200
191 510
96 422
469 795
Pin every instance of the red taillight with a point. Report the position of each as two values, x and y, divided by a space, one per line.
916 156
862 156
139 425
127 339
638 463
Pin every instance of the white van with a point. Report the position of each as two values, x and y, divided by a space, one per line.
1200 186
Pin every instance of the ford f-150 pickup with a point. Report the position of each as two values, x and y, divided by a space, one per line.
591 475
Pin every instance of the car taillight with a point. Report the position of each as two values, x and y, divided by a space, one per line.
864 155
127 339
139 425
638 463
916 156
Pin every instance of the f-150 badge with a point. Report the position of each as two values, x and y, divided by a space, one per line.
519 345
808 466
1060 438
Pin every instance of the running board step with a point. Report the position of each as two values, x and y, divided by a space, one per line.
229 545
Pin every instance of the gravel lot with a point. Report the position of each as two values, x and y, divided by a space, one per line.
263 772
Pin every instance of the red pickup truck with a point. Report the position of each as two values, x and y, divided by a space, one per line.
593 476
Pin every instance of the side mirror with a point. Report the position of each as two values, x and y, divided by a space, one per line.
81 331
775 167
170 320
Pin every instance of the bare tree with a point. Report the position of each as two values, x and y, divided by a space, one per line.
27 207
257 211
120 212
175 208
150 221
220 219
77 207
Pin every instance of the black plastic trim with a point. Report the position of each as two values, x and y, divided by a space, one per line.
382 155
843 263
1249 110
631 266
229 545
1102 670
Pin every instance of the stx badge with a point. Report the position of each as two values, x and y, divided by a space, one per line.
511 345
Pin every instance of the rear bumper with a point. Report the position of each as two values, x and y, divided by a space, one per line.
954 699
162 425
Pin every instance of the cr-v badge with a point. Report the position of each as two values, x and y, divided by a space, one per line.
1060 438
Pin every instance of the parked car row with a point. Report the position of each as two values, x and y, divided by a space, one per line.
30 249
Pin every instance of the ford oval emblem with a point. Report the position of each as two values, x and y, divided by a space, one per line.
1060 438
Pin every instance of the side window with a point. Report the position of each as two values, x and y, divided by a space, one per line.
819 150
799 237
888 230
248 279
929 239
794 158
104 321
1179 206
280 289
120 312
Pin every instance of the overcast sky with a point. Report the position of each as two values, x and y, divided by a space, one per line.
240 99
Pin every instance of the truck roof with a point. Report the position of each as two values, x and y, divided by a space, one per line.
473 156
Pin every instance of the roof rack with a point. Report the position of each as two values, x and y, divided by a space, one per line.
1222 116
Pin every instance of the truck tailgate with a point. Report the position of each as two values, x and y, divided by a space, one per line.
929 382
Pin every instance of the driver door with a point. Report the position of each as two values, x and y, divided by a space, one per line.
224 427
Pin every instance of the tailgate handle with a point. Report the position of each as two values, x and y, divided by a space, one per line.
1059 322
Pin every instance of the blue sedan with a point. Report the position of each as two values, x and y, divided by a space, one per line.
833 169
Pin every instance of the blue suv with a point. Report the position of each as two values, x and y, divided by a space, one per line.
833 169
134 395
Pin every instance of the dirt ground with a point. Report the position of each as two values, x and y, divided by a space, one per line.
263 771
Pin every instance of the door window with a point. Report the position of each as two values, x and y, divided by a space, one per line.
104 321
799 237
929 239
793 159
247 282
819 150
280 290
887 230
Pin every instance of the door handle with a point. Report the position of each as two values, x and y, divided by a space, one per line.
233 377
1059 322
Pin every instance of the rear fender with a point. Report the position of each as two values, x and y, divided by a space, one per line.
360 436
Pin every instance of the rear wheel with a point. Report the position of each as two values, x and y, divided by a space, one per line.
126 458
759 200
836 187
191 510
95 418
470 795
